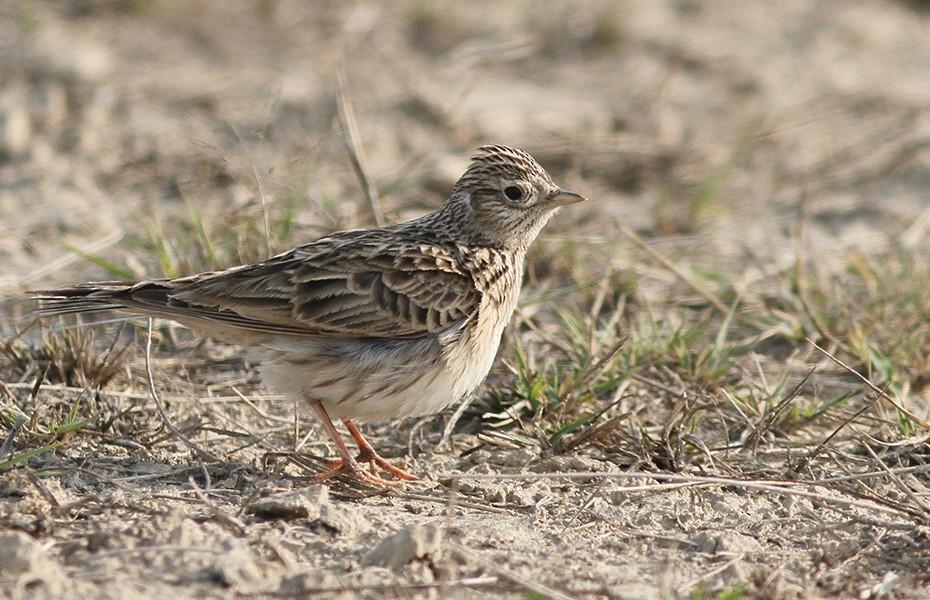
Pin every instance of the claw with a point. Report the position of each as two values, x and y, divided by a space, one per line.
359 473
347 465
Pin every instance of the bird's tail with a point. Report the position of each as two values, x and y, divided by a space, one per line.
97 297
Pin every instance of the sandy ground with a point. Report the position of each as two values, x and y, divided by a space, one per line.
116 115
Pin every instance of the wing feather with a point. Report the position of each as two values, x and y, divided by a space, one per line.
368 292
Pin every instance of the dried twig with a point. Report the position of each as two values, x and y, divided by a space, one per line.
161 409
673 268
788 488
874 387
7 446
266 222
497 568
905 489
354 146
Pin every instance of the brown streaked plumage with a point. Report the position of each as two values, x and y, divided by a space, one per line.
369 324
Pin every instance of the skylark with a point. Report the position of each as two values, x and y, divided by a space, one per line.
369 324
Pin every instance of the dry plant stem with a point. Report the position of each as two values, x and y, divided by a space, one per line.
539 589
49 497
804 462
71 388
871 474
770 417
773 485
266 222
801 275
905 489
453 420
34 393
589 434
598 490
450 500
161 409
5 390
228 521
551 341
7 446
874 387
673 268
354 147
594 369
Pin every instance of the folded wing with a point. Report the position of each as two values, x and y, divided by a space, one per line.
340 287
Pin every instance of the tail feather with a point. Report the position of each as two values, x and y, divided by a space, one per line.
159 298
153 298
91 297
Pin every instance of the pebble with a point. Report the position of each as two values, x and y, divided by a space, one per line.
305 503
342 520
407 545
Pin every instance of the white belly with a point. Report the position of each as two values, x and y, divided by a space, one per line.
371 380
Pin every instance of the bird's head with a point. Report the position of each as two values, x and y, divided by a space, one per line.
510 195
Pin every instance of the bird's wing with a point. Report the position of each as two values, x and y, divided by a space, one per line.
340 286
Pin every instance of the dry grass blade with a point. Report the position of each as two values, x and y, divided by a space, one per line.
536 588
354 147
673 268
803 463
595 368
449 499
775 486
910 415
905 489
266 221
7 446
161 408
771 416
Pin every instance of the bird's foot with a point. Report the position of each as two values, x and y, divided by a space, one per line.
371 477
374 461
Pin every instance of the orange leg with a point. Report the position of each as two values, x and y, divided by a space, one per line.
366 453
350 465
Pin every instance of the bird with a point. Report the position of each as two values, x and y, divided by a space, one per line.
372 324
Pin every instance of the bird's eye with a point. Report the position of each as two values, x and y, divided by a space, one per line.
513 193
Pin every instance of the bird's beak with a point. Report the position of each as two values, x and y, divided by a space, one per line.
564 197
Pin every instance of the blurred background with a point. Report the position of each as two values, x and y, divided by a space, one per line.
758 176
710 125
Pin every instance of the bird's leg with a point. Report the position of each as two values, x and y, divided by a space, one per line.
366 453
348 464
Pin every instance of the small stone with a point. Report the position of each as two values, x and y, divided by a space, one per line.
524 497
519 457
341 520
304 503
407 545
725 542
